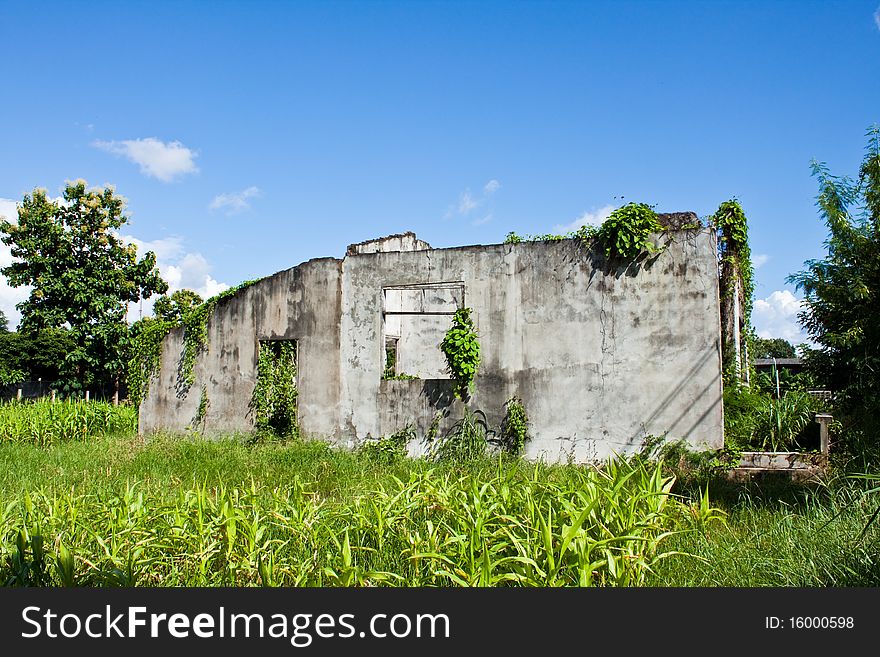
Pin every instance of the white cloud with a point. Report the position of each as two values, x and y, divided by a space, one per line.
877 17
9 296
165 161
776 317
590 218
466 202
235 202
166 248
760 260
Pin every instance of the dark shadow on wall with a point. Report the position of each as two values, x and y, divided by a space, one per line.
438 392
675 391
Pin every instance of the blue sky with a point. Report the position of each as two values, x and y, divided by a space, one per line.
251 136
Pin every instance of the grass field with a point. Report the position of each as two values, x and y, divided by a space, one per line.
117 510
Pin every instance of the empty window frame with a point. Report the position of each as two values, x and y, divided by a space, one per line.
415 319
274 401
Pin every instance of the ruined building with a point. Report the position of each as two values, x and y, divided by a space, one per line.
602 353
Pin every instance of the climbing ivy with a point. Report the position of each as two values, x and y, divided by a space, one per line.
145 356
195 333
195 341
146 345
202 410
462 350
733 246
273 402
736 277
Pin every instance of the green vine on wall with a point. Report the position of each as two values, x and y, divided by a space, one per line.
273 402
148 334
202 410
462 350
736 277
195 334
733 245
146 355
626 233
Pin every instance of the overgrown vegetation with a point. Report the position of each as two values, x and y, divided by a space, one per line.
756 420
145 356
183 308
465 441
198 423
626 233
736 279
778 534
388 449
390 371
318 517
841 297
273 403
461 347
174 512
514 427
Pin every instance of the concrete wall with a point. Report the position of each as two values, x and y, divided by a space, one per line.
302 303
600 353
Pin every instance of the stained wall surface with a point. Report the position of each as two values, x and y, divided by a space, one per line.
601 353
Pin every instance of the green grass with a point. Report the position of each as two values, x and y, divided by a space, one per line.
170 511
46 422
191 512
781 534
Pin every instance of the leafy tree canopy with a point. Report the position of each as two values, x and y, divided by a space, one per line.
36 356
177 306
842 290
773 348
82 274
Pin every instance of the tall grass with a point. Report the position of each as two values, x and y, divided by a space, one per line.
754 420
46 422
491 523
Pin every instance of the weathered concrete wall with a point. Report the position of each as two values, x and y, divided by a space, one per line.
601 354
303 304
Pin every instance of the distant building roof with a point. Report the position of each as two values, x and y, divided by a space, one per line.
779 362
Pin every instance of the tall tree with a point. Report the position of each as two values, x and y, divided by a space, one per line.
773 348
842 291
83 275
178 305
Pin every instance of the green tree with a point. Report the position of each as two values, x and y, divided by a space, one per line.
4 322
773 348
82 274
38 356
842 291
177 306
